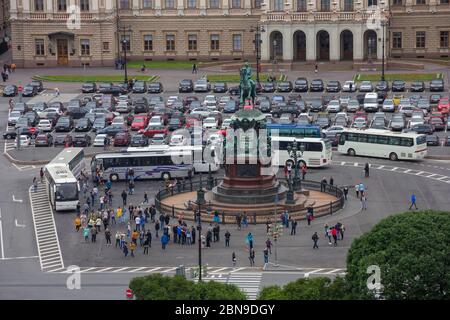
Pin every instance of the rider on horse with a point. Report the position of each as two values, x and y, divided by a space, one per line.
247 85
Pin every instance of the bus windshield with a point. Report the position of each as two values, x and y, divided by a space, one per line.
421 140
67 192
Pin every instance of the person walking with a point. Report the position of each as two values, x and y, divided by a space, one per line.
164 241
364 202
145 198
194 68
251 257
366 170
357 190
331 182
266 258
345 192
94 234
132 248
249 240
413 202
238 221
323 184
342 230
334 234
146 246
124 198
156 228
193 233
227 238
315 239
293 227
77 223
35 184
125 249
117 236
269 245
303 170
233 259
86 234
41 174
108 236
316 68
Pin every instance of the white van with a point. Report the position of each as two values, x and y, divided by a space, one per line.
178 140
371 102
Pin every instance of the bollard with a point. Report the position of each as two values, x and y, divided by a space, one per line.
173 211
331 207
223 217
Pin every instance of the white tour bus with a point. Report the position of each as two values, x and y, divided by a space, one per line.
317 151
163 164
383 144
203 156
63 187
73 158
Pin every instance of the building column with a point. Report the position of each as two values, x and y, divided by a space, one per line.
26 6
334 44
265 45
158 4
288 53
247 4
358 43
380 43
310 43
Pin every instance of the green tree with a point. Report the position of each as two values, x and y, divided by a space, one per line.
159 287
271 293
412 251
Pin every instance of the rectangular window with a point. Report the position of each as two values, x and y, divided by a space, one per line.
278 5
192 4
301 5
444 2
40 48
371 138
124 4
170 42
394 141
396 40
38 5
363 138
214 4
258 3
84 5
105 46
148 42
85 47
215 42
420 39
325 5
444 39
170 4
192 42
397 2
348 5
420 1
62 5
147 4
372 3
237 43
235 4
126 42
382 140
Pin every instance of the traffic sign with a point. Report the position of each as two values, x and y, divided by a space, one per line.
20 88
129 293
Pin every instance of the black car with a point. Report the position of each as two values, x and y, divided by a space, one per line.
316 85
83 125
113 129
24 131
105 88
33 117
64 124
186 85
316 105
425 128
234 91
140 87
10 91
89 87
63 140
141 105
38 85
283 107
220 87
398 86
175 124
139 140
231 107
23 122
381 96
437 85
29 91
360 97
268 87
76 112
81 140
333 86
417 86
284 86
382 86
99 123
301 85
323 121
155 87
264 106
433 140
21 106
123 88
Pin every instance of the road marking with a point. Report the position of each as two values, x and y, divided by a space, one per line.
380 167
343 163
17 200
407 170
236 270
19 225
394 168
168 270
431 175
154 269
136 269
1 239
121 269
332 271
19 258
419 173
355 164
215 271
442 178
103 270
86 270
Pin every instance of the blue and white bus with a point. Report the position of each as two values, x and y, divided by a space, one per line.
162 164
71 157
294 130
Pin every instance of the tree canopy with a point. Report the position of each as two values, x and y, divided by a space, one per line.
159 287
412 251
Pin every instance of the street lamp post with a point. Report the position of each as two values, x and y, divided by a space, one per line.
199 202
258 30
383 24
295 151
124 48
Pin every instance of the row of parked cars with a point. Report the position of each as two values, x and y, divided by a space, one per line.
30 90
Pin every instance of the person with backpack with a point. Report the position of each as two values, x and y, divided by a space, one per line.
315 238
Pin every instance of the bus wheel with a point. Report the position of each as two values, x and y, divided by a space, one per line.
351 152
114 177
165 176
393 157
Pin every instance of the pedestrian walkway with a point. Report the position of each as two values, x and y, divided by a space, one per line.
45 229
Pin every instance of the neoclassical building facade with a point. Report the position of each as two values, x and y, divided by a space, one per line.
91 32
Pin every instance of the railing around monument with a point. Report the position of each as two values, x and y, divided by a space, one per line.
229 217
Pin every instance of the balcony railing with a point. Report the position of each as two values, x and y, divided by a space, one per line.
317 16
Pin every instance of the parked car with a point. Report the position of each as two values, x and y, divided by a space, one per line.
122 139
353 105
316 85
417 86
365 86
301 85
33 117
45 125
284 86
186 85
210 123
433 140
398 122
153 129
29 91
141 105
10 91
112 130
398 86
38 84
382 86
139 140
81 140
334 106
333 86
349 86
437 124
316 105
234 91
89 87
13 116
155 87
220 87
360 123
43 140
99 140
437 85
99 123
202 85
140 87
444 105
64 124
63 140
160 139
268 87
424 104
25 141
139 122
83 125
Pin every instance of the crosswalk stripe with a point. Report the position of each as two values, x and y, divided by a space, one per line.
153 269
120 269
332 271
216 271
236 270
137 270
168 270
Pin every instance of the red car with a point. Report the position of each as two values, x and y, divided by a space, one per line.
444 105
139 122
151 130
360 114
122 139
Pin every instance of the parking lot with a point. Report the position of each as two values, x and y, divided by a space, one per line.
139 119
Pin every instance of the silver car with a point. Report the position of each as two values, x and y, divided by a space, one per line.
202 85
388 105
353 105
366 86
398 122
334 106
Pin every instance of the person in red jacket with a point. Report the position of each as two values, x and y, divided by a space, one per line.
334 234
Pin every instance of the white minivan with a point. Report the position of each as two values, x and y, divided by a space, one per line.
371 102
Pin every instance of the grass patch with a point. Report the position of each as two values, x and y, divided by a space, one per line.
407 77
93 78
236 78
176 64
